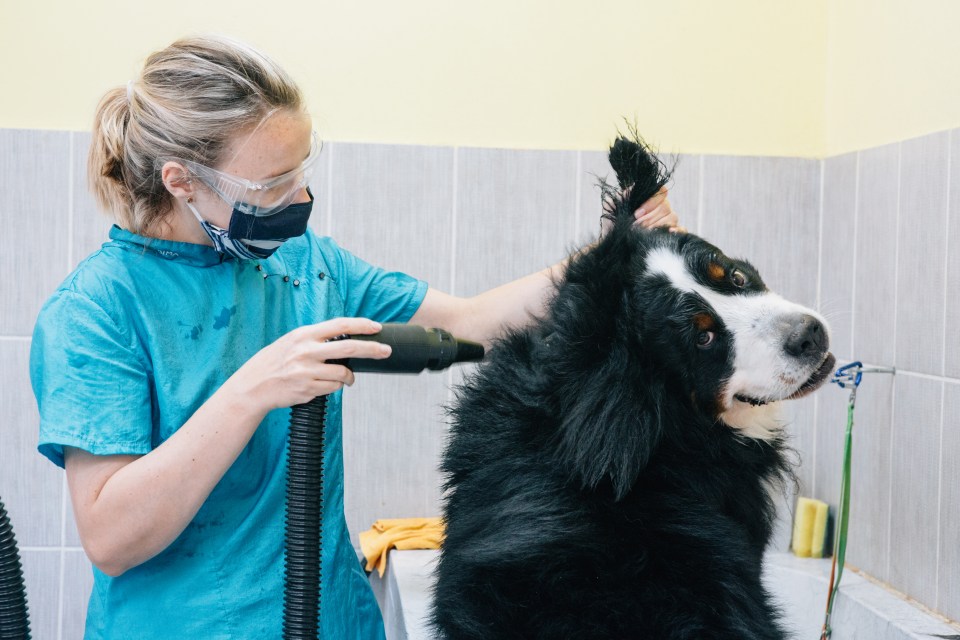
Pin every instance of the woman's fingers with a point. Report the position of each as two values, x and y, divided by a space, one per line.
656 212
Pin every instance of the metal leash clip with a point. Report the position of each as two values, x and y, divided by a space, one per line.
849 375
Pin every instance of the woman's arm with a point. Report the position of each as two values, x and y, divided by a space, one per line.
483 317
130 508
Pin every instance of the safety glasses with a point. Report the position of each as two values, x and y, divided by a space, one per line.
259 198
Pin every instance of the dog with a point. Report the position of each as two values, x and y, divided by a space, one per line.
611 467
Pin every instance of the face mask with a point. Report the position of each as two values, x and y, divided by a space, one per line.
250 237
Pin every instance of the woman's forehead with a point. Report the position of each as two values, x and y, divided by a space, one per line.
275 146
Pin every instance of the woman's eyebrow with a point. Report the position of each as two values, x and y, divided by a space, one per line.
283 173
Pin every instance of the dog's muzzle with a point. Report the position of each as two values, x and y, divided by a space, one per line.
806 338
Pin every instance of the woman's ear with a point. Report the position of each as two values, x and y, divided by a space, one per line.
177 179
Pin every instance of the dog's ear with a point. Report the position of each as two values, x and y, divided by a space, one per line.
640 174
609 429
605 401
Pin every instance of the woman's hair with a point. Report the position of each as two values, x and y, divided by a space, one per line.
189 101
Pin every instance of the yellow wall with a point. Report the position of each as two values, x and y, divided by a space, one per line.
766 77
734 76
893 71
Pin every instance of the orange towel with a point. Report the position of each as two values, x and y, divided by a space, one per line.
399 533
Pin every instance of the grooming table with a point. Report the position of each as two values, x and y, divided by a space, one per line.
405 592
864 609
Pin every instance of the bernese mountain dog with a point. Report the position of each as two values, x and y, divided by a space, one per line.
611 467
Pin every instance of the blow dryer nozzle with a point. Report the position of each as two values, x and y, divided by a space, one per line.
415 348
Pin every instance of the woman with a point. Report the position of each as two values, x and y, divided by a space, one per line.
163 364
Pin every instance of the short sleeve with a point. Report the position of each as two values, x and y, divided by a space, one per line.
372 292
92 387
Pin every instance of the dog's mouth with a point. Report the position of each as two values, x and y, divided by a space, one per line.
814 382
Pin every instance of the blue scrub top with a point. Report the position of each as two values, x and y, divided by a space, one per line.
131 344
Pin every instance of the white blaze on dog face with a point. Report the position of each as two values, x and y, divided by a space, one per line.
769 362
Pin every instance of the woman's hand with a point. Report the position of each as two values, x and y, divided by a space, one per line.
655 212
295 368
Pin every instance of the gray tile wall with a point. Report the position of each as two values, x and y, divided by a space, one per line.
890 268
869 238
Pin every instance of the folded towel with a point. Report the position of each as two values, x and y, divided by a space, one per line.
399 533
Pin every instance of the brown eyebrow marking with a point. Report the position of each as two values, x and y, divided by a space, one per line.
703 321
716 272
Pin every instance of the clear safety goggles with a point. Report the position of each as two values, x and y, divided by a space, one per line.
259 198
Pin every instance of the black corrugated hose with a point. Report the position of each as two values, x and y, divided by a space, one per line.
303 522
14 620
413 349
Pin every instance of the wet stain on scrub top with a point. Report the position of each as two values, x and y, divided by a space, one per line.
223 320
190 331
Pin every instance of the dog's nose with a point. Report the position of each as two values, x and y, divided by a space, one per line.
806 336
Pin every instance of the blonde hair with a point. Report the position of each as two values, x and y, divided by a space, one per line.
190 100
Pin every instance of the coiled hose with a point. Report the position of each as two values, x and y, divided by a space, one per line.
14 620
413 349
303 522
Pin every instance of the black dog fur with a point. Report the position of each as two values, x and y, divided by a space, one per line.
592 490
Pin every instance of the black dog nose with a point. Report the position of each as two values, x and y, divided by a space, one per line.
806 336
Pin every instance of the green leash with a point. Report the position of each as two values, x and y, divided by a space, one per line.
848 375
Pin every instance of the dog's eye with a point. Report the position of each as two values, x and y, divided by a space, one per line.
705 339
738 279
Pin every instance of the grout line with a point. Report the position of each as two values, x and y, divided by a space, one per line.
943 370
820 238
65 491
946 258
63 543
329 230
71 215
454 194
893 425
928 376
816 399
577 194
699 229
893 398
936 581
896 253
453 223
853 271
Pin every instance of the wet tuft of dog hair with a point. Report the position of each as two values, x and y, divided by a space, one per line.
641 173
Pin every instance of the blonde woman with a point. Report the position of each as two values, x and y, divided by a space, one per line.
164 364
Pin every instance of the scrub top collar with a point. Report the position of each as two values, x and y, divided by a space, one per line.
200 255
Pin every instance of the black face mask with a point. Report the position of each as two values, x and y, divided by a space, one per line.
256 237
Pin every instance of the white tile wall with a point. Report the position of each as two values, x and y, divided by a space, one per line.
922 243
948 562
393 205
34 209
766 210
875 270
515 213
915 486
89 226
871 237
869 539
952 233
837 249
